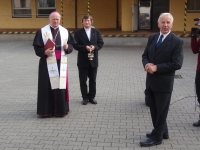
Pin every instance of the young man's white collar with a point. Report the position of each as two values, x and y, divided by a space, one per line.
88 32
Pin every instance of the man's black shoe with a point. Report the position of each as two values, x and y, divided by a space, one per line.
85 101
150 142
93 101
196 124
165 136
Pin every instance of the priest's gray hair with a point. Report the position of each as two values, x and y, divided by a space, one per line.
166 14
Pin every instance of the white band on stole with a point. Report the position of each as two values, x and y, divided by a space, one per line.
53 71
56 81
63 71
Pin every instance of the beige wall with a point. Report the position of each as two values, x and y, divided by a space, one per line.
81 10
103 12
68 12
26 23
177 9
127 15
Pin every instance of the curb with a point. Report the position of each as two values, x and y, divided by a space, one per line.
103 35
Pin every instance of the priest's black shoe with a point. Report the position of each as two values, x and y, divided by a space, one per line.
196 124
165 136
93 101
150 142
85 101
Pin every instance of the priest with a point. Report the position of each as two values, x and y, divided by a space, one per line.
52 44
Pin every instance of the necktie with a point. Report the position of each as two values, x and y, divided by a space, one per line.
159 41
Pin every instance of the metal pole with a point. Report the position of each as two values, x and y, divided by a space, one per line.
117 15
76 14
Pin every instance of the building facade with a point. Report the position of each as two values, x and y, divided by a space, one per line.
124 15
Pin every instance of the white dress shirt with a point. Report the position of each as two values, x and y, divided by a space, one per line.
88 32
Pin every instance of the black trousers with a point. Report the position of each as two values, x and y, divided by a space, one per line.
85 73
159 106
197 85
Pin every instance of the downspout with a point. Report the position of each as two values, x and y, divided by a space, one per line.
117 14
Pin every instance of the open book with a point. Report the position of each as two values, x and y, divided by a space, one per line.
49 44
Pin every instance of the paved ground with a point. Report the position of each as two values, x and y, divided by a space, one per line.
119 120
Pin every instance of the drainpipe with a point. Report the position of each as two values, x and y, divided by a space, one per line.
76 14
117 15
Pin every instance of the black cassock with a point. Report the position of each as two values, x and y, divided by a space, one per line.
51 102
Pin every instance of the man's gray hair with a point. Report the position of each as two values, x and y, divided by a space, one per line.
166 14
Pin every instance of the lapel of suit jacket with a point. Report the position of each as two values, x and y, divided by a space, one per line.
84 34
153 45
166 42
92 36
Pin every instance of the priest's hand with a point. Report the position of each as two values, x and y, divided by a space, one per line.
49 51
65 46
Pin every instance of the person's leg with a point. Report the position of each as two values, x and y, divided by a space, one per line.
92 74
162 101
197 86
83 72
152 105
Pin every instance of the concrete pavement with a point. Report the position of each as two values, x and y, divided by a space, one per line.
119 120
136 39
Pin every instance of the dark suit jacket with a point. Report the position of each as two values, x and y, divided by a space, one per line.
168 57
82 41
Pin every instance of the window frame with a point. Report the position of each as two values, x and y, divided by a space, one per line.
14 8
194 9
39 8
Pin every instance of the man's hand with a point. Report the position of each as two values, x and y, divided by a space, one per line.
150 68
90 48
49 51
147 66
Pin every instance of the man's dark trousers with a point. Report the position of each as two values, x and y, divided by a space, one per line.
91 73
159 105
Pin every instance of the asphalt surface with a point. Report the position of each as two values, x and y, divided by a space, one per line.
118 122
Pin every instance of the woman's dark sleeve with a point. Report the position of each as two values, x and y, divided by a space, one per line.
195 44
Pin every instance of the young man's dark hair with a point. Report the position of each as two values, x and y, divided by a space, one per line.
86 17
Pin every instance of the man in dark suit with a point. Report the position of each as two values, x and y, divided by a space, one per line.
89 42
161 58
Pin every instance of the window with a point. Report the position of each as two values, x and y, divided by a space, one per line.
45 7
145 3
21 8
193 6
